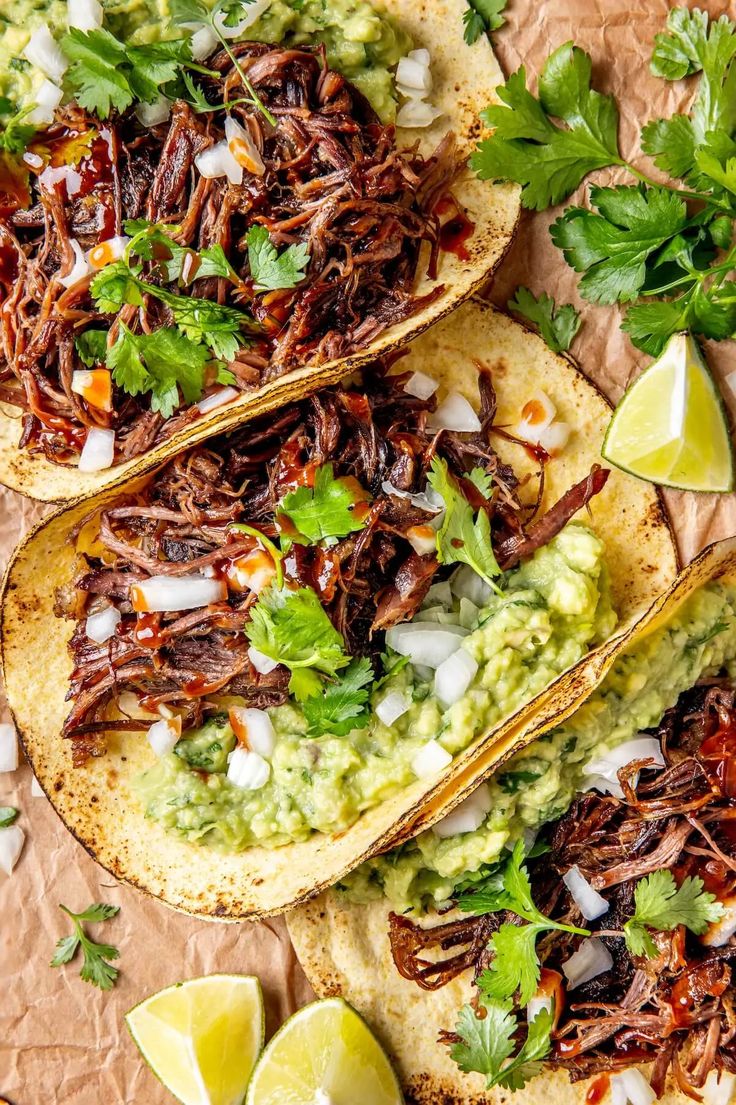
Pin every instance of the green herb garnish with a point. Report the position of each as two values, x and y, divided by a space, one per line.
663 905
488 1042
270 269
8 814
557 325
95 968
343 705
482 16
463 537
325 510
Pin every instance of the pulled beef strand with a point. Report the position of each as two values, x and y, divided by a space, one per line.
180 522
678 1010
333 179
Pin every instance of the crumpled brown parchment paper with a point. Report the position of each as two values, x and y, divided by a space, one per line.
65 1042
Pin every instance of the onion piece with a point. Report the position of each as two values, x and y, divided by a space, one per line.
37 790
428 500
252 572
631 1085
555 438
217 161
422 56
80 268
217 399
150 115
47 98
254 730
170 593
107 251
468 816
537 415
98 451
252 12
44 52
414 74
719 1091
425 643
203 43
590 903
720 932
163 735
423 539
453 677
438 594
430 760
263 664
416 113
247 770
467 584
8 747
420 385
11 846
243 148
100 627
84 15
391 707
590 960
454 413
605 768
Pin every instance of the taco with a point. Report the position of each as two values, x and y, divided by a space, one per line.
259 223
274 651
574 919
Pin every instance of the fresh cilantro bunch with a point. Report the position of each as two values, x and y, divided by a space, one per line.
96 968
666 248
464 537
482 16
325 510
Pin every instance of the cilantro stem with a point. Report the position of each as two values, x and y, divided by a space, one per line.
708 201
255 98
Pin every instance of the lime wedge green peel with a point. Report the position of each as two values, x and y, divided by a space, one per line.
671 427
201 1038
324 1055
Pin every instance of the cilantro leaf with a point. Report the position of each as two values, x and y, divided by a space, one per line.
487 1043
160 363
612 247
8 815
114 286
91 346
527 147
650 325
154 242
270 269
343 705
558 326
326 509
463 538
292 628
15 135
693 44
482 480
204 320
663 905
515 965
96 968
482 15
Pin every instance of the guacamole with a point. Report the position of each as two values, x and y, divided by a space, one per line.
361 41
551 611
539 783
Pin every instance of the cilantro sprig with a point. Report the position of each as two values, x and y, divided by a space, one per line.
8 814
327 509
482 16
557 325
667 248
487 1044
16 133
463 537
343 705
96 968
270 269
663 905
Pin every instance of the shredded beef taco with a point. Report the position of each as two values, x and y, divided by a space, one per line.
568 929
272 653
208 226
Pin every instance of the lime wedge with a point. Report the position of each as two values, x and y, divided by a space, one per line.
202 1037
670 427
324 1055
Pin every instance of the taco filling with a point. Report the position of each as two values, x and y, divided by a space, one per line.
249 215
307 615
611 943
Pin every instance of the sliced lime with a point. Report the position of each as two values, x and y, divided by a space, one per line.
324 1055
202 1037
670 427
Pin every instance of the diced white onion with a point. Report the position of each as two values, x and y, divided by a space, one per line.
252 572
8 747
730 381
631 1086
392 706
439 593
262 663
454 676
32 160
47 98
217 399
98 451
217 161
607 767
467 584
425 643
254 728
454 413
251 13
85 15
107 251
555 438
720 932
422 539
44 52
100 627
417 113
163 736
414 74
204 42
422 56
430 760
247 769
150 115
11 846
37 790
468 816
420 385
81 267
719 1091
243 148
590 960
427 500
170 593
537 415
590 903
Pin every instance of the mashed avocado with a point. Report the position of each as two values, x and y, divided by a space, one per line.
539 784
362 41
552 610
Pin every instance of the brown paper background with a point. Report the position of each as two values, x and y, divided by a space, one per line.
65 1042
